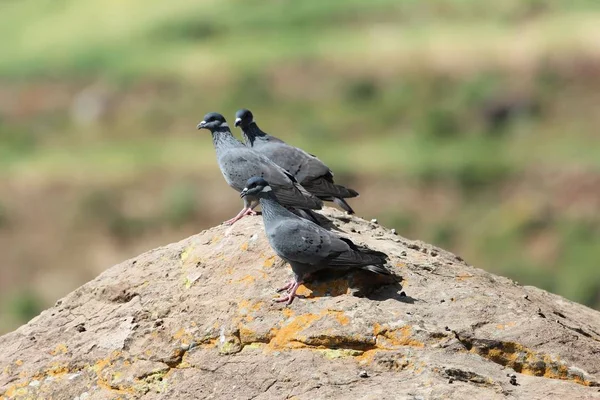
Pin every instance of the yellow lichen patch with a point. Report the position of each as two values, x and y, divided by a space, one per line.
463 277
57 370
18 389
244 246
400 265
525 361
269 262
287 336
183 336
102 363
506 326
254 345
287 312
341 317
59 349
246 306
215 239
185 254
392 339
247 280
368 356
303 291
333 288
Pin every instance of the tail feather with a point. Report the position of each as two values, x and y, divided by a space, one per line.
378 269
321 187
343 205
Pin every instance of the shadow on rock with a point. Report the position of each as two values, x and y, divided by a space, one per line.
359 283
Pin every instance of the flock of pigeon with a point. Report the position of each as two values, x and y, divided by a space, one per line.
288 183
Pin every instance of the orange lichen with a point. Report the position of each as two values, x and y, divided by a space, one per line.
183 336
464 277
248 279
244 246
287 336
505 326
525 361
341 317
19 362
334 288
393 338
246 306
269 262
287 312
60 348
18 389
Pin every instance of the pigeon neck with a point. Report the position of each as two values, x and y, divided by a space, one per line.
252 132
271 207
222 137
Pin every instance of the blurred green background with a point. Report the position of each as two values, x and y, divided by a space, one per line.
472 125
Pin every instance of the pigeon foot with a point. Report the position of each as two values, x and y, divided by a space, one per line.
291 294
245 211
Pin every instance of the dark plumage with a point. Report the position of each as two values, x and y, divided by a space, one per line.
307 247
308 170
238 163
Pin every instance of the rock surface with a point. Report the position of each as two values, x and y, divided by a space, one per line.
195 320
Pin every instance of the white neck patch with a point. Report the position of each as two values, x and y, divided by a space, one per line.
266 189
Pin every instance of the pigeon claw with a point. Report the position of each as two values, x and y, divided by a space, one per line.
291 292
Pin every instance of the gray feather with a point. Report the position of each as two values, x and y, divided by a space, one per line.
309 248
308 170
238 163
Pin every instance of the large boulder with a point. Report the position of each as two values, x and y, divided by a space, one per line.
196 320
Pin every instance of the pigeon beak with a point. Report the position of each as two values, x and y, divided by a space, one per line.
244 193
238 121
201 125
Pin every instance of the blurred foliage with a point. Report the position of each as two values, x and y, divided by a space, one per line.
469 124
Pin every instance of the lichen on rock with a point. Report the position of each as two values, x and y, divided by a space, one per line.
195 319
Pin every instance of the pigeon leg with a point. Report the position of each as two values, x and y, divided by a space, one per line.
249 211
287 287
291 294
240 215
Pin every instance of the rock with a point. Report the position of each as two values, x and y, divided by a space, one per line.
195 319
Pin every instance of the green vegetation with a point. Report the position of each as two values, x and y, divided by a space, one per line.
469 124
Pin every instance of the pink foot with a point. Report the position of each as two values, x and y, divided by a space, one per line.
291 294
287 287
240 215
250 212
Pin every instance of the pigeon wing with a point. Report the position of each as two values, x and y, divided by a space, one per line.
304 242
243 163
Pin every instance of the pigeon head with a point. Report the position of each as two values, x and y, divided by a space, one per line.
243 118
213 121
256 187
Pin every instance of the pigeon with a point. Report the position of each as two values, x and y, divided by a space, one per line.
238 163
308 170
306 246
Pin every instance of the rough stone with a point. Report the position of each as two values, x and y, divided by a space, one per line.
195 319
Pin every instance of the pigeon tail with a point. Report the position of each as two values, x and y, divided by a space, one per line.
321 187
378 269
343 204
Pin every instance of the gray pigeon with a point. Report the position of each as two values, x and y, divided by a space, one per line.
238 163
308 170
307 247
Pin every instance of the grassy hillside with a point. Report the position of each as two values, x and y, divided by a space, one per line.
467 124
